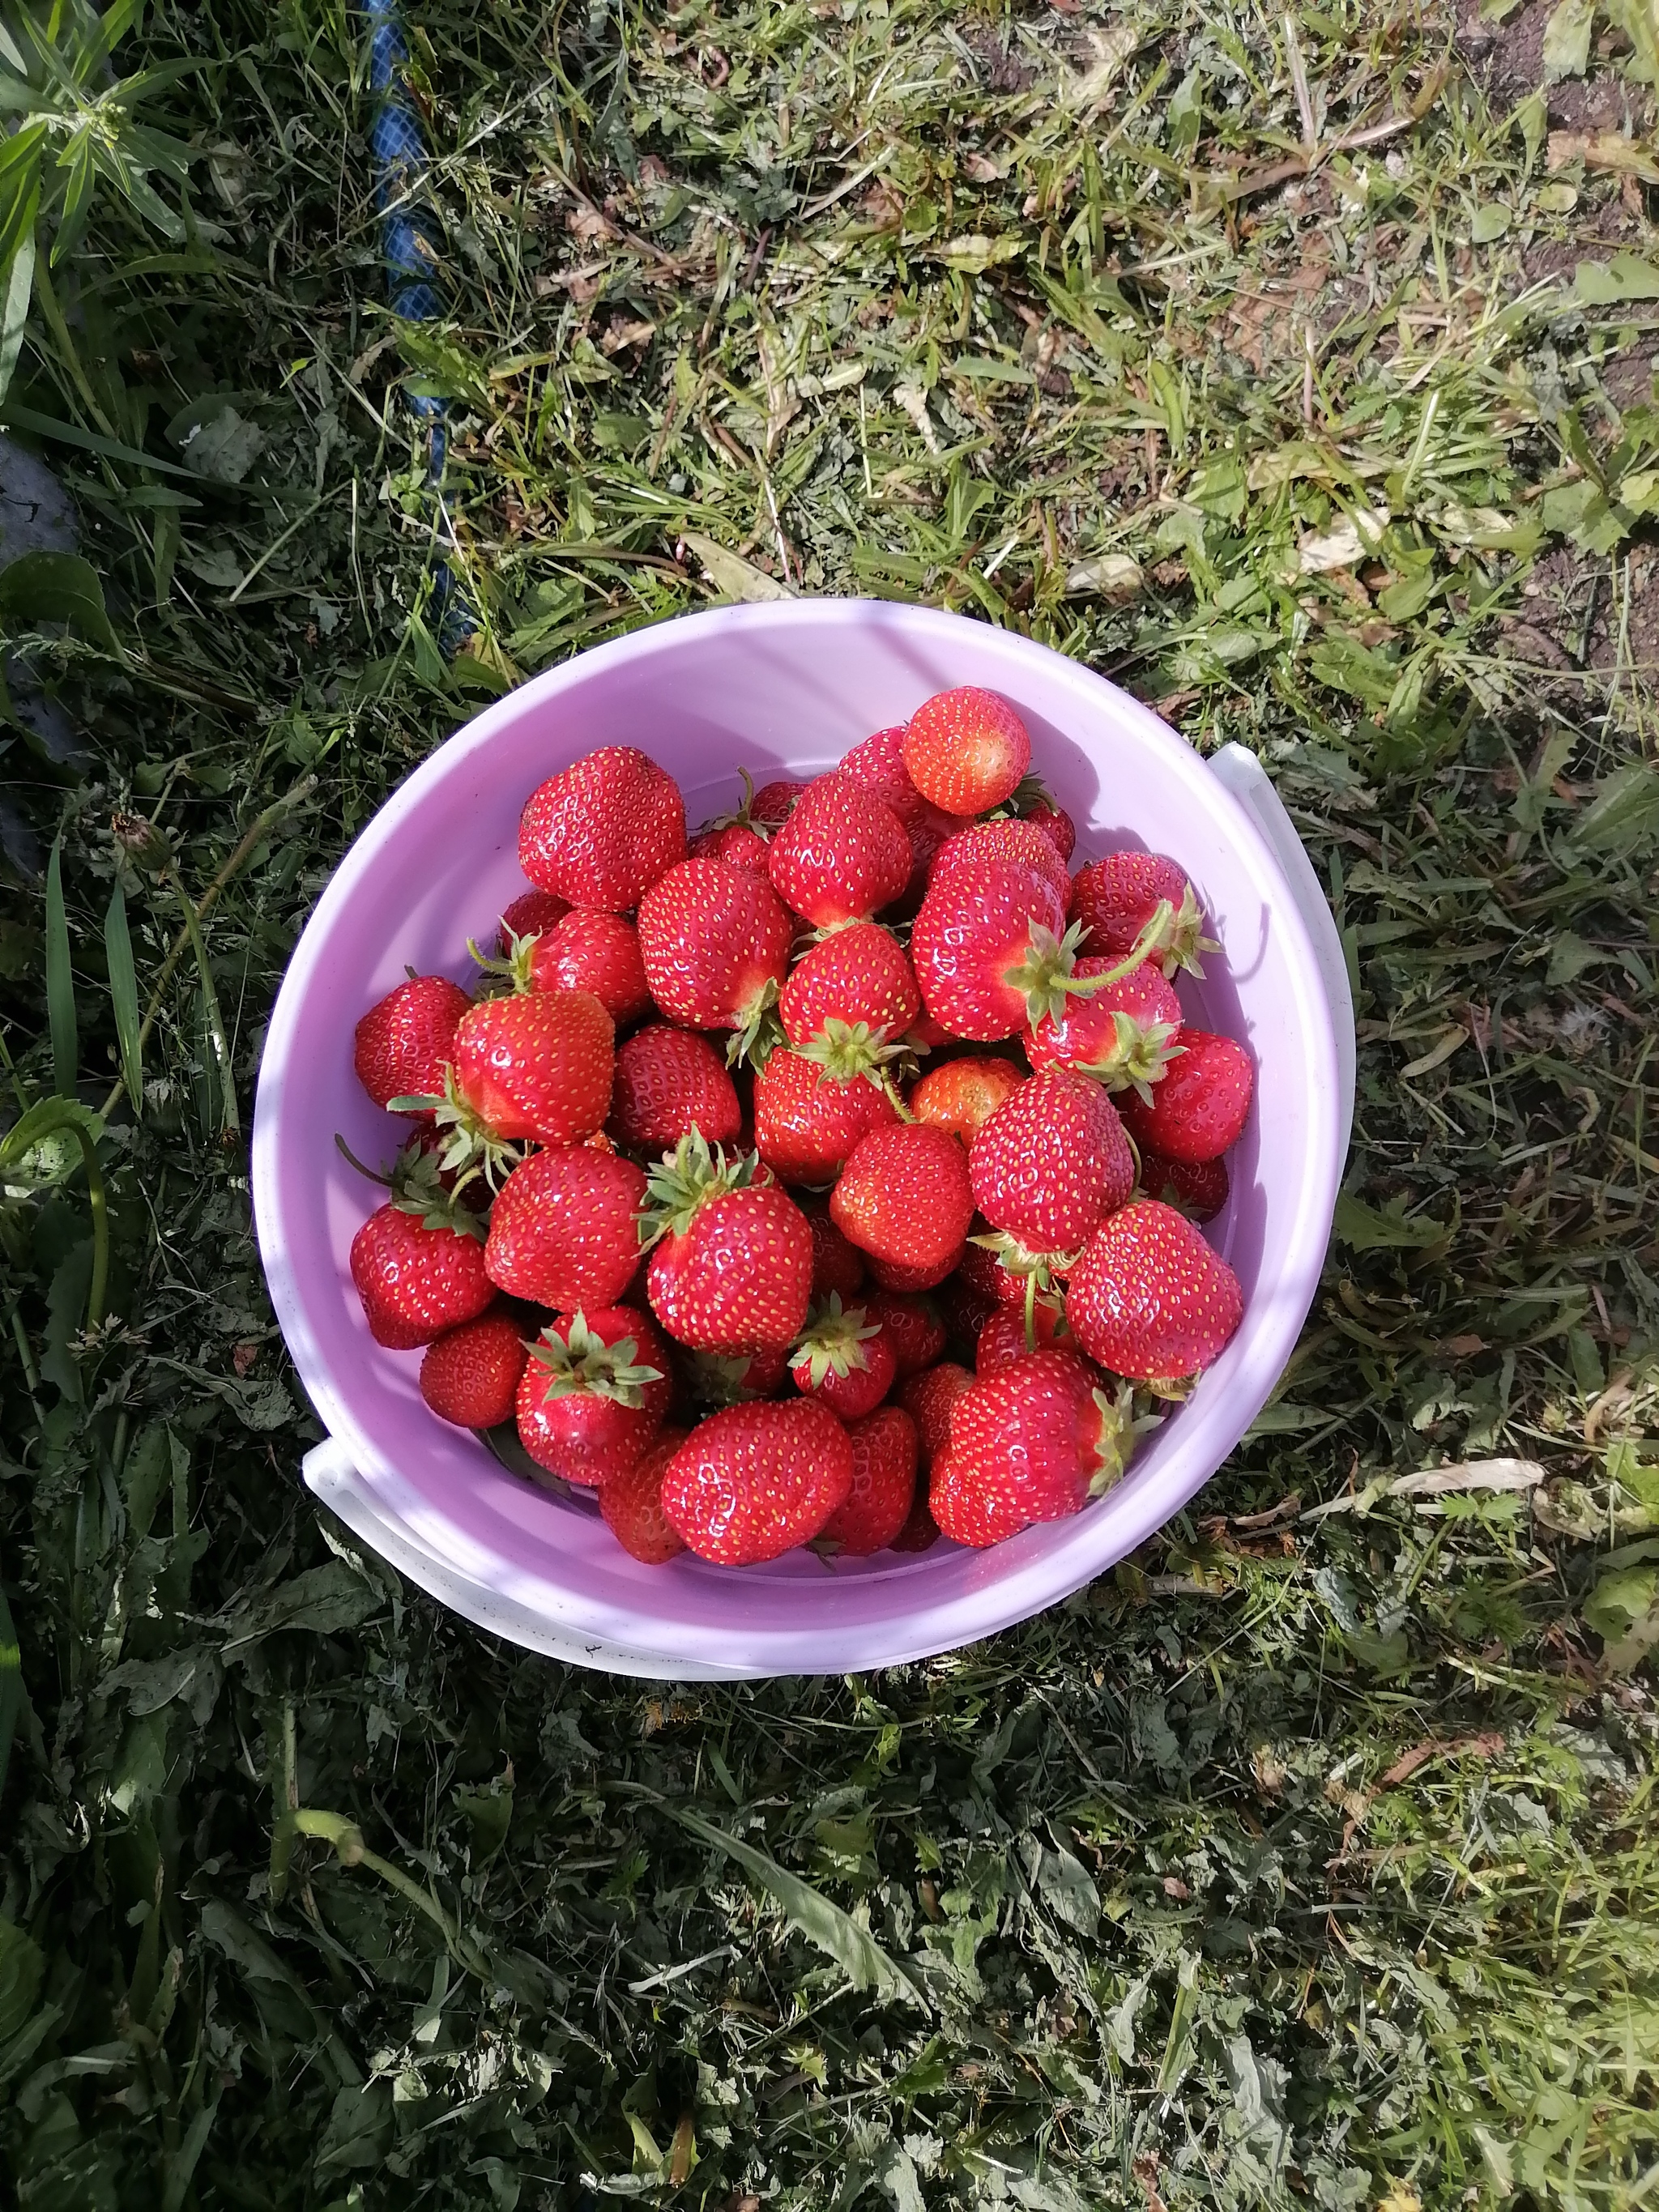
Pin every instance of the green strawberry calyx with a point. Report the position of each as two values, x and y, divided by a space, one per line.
469 1147
1180 941
846 1051
757 1033
1137 1060
1120 1428
507 975
686 1178
1046 976
581 1364
415 1185
832 1342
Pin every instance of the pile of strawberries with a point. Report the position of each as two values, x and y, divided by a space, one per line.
715 1271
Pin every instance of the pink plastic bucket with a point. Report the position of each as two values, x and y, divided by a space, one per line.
781 688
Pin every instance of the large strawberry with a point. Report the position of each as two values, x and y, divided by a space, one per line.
877 762
878 1504
418 1266
602 831
562 1230
1006 839
859 974
961 1094
1120 902
1125 1035
594 1393
966 750
1201 1105
905 1196
669 1082
811 1112
753 1481
402 1045
985 939
1198 1187
732 1264
841 856
1149 1298
1052 1163
631 1502
842 1359
528 915
471 1375
1036 1440
911 1325
715 943
537 1065
590 949
928 1398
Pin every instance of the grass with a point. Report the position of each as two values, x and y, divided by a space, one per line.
1294 369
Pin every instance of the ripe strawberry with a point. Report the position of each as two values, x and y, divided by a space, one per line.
631 1502
418 1266
928 1398
593 1395
1055 823
1051 1162
840 1360
966 750
877 763
985 941
770 807
904 1197
921 1530
715 943
602 831
841 856
402 1045
668 1082
736 843
1123 1035
1199 1187
471 1376
754 1481
714 1380
734 1267
810 1116
1149 1298
1002 1341
590 950
859 974
536 1066
1200 1106
884 1484
908 1282
562 1229
966 1514
1036 1440
909 1325
1006 839
961 1094
528 915
837 1266
1118 899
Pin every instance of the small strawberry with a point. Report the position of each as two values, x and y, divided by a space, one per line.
418 1263
1199 1106
837 1266
594 1394
928 1398
602 831
1149 1298
1055 823
562 1229
811 1111
1199 1187
590 950
1120 899
920 1531
841 856
732 1267
961 1094
1052 1163
754 1481
402 1045
528 915
1005 839
738 846
1125 1035
631 1502
966 750
771 805
669 1082
884 1489
911 1325
714 1380
859 974
716 947
1036 1440
984 938
471 1376
536 1066
877 762
905 1196
965 1513
1003 1338
840 1360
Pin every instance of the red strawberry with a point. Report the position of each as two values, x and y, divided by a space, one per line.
1055 823
909 1325
1002 1341
905 1196
754 1481
738 845
592 951
1008 838
884 1484
921 1530
909 1281
471 1376
1124 1034
841 856
1052 1163
771 805
985 1270
1149 1298
1199 1187
1036 1440
987 939
562 1230
418 1266
928 1398
1117 900
877 763
528 915
1199 1107
859 974
961 1094
717 1380
966 750
536 1066
733 1268
966 1514
631 1502
715 945
595 1394
670 1082
842 1359
809 1116
402 1045
602 831
837 1266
